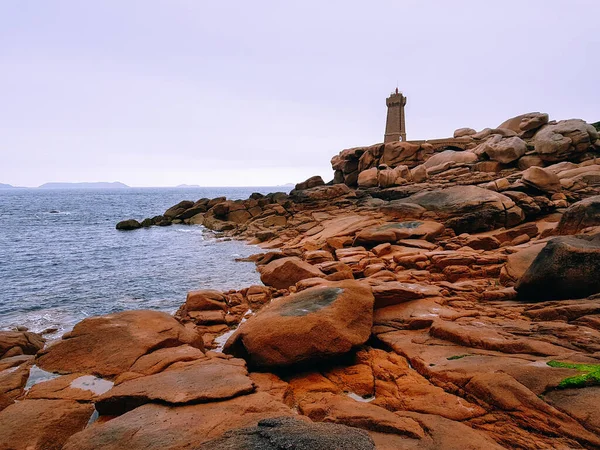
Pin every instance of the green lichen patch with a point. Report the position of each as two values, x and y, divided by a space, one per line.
310 301
589 377
402 225
452 358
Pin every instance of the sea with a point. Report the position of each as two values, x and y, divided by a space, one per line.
62 260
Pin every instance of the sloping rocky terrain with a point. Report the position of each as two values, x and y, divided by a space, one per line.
425 299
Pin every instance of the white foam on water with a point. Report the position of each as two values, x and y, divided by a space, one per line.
222 339
358 398
91 383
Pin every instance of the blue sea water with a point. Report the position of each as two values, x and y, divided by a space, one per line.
57 268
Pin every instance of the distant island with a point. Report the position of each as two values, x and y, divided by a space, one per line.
6 186
188 186
97 185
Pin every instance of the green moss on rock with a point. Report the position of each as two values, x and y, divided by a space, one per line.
589 377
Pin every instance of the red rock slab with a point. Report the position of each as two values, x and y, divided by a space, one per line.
14 361
411 315
315 324
581 403
77 387
42 424
285 272
160 427
395 292
340 226
357 378
162 358
566 310
109 345
12 382
341 409
393 232
190 382
490 338
455 365
270 384
441 434
14 343
532 413
386 380
398 387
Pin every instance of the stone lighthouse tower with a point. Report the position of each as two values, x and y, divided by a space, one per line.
395 128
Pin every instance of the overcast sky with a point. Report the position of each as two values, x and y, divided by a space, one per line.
242 93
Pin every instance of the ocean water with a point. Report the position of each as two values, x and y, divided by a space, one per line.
61 258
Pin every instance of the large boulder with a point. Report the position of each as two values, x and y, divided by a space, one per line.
14 343
567 267
541 179
564 140
450 156
525 122
580 215
285 272
129 224
368 178
310 183
469 208
407 153
315 324
462 132
392 177
320 193
505 150
109 345
291 433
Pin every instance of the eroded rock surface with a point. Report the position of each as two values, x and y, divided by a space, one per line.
286 432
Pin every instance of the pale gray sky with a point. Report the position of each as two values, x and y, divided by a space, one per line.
164 92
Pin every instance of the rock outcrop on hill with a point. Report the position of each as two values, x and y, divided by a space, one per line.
436 294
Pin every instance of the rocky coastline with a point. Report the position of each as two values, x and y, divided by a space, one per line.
428 297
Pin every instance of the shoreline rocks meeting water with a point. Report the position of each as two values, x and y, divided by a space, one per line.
431 296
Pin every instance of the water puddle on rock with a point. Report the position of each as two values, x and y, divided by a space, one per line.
37 375
91 383
358 398
93 418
